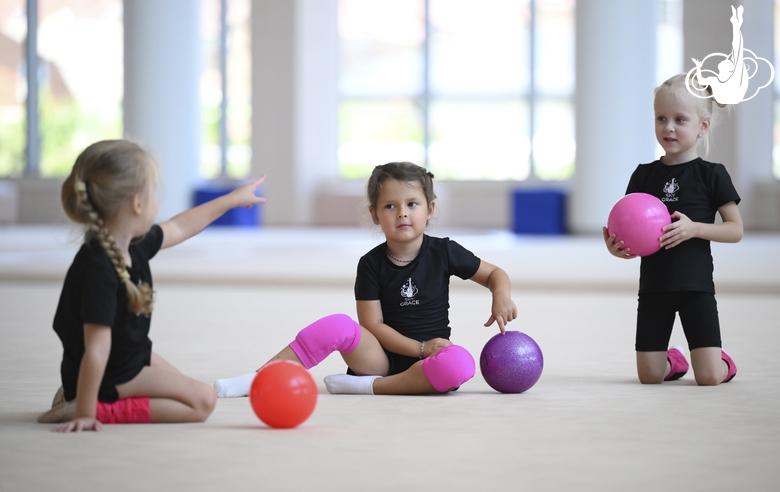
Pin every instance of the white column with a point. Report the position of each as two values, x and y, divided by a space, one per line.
615 63
294 103
161 100
742 138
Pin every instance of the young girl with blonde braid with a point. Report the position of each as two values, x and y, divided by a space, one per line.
109 372
401 342
678 278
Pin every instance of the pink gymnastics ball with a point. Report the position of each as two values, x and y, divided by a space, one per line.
638 220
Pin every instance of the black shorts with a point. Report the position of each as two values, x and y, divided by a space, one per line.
396 363
655 319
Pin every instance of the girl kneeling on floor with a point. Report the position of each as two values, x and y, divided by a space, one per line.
678 278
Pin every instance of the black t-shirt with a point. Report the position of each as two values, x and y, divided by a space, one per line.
415 296
697 189
93 293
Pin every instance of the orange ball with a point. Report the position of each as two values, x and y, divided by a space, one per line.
283 394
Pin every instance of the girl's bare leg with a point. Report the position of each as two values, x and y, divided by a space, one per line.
158 361
652 367
239 386
410 382
367 358
189 404
285 354
173 397
709 368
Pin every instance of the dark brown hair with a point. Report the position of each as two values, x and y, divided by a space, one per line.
399 171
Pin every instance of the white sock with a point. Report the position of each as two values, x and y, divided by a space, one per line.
234 387
346 384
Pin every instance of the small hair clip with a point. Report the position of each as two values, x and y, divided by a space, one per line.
80 186
124 275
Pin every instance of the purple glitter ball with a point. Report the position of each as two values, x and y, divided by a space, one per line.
512 362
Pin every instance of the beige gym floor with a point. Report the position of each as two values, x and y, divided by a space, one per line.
229 299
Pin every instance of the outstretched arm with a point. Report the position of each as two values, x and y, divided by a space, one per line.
729 231
192 221
503 309
97 346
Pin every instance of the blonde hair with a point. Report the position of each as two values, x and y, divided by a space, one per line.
703 102
107 174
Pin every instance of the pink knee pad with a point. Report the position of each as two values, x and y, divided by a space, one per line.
337 332
124 411
449 368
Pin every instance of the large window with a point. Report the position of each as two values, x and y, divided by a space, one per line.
226 105
79 82
13 30
471 90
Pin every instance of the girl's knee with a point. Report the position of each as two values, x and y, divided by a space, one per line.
647 380
205 402
449 368
651 367
650 377
334 333
709 368
707 378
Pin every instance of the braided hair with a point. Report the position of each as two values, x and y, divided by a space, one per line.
107 174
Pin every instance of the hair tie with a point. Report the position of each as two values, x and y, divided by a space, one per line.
124 275
80 186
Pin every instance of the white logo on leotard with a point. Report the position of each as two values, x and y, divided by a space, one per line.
670 188
408 291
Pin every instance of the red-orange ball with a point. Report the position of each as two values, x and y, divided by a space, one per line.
283 394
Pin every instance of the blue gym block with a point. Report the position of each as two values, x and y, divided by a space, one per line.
240 216
539 212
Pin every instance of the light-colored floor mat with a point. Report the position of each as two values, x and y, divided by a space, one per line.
586 425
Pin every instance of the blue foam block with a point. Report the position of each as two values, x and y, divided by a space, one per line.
539 212
242 217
